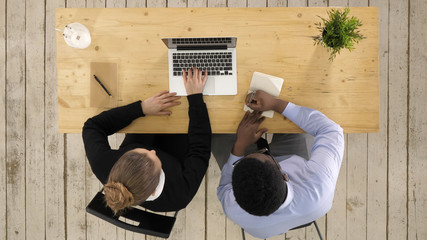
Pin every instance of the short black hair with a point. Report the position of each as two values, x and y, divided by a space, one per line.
258 186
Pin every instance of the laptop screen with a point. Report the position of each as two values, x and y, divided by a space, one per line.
208 42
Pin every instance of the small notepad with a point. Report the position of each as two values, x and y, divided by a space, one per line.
269 84
107 73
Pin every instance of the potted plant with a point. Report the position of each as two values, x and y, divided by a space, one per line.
338 32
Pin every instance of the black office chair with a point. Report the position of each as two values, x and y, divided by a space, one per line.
149 223
302 226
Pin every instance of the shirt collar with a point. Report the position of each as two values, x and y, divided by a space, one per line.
159 188
289 197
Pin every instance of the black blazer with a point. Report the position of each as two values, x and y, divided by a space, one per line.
183 176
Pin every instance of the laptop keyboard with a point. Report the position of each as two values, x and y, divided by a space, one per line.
217 63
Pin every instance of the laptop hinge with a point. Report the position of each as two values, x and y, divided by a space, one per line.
210 47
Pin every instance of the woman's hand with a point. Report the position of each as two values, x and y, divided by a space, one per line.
157 104
193 81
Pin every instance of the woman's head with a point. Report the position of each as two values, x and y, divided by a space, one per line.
133 178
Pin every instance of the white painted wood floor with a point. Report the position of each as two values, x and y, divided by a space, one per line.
45 181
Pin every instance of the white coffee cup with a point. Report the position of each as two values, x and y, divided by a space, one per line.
76 35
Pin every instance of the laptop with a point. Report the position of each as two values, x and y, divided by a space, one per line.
215 54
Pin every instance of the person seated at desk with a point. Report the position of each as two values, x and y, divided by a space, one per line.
160 172
268 195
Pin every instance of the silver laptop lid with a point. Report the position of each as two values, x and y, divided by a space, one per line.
200 43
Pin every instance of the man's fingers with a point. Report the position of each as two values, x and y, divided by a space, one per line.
254 116
245 117
260 132
248 97
260 120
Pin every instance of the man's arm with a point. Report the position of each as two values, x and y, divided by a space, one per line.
328 147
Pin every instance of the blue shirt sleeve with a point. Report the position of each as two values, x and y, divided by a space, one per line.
328 147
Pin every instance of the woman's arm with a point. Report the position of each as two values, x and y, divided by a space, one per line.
199 134
97 129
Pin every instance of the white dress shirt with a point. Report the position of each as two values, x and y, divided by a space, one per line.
312 183
159 188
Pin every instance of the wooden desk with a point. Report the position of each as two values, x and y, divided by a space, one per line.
276 41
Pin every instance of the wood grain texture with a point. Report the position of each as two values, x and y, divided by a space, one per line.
3 168
297 3
357 164
195 225
377 142
177 3
15 119
95 3
277 3
115 3
54 142
156 3
74 167
398 90
338 3
159 4
195 212
197 3
215 217
336 87
299 233
336 228
417 125
136 3
311 233
34 117
217 3
75 187
18 61
94 226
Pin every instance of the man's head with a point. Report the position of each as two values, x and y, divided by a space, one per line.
258 184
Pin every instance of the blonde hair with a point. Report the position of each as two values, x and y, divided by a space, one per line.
132 180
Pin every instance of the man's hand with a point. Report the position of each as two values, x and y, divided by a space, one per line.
193 81
157 104
264 102
247 132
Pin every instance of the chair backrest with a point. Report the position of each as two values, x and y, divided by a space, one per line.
149 223
301 226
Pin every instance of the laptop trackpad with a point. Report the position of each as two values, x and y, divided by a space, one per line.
210 86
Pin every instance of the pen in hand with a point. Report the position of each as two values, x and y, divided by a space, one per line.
102 85
252 97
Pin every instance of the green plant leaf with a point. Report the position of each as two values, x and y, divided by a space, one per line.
338 31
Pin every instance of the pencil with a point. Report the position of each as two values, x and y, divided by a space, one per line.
102 85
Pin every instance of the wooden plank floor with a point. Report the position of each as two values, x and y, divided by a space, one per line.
46 182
